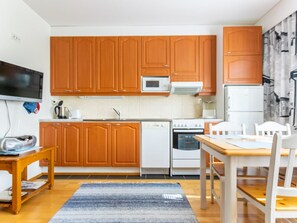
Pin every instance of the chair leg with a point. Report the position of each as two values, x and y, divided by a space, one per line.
211 177
269 218
222 199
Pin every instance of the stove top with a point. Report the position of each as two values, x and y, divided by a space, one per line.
188 123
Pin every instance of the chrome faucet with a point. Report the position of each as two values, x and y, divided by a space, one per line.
117 112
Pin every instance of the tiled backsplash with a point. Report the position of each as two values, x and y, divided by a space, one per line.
174 106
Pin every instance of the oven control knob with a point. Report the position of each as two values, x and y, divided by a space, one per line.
186 125
196 125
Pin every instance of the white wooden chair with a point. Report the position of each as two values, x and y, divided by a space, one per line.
277 199
269 128
222 128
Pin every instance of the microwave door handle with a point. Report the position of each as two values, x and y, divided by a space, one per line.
185 131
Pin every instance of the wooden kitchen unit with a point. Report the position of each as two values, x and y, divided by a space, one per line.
243 55
114 65
93 144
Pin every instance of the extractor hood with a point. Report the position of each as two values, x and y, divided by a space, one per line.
190 88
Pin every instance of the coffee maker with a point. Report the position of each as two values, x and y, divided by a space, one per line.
59 110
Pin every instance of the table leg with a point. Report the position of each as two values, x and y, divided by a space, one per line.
50 168
25 174
16 187
202 179
230 203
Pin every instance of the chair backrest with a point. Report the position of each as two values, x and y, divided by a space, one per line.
269 128
273 189
227 128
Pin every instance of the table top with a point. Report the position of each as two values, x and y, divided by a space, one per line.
25 155
222 146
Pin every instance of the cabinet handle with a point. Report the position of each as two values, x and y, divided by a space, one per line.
228 52
124 90
114 90
76 90
174 73
68 90
165 65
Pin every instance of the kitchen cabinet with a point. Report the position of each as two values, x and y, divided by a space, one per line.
155 56
243 40
72 65
207 64
61 65
97 144
50 135
83 72
125 145
184 58
243 55
71 144
106 64
129 64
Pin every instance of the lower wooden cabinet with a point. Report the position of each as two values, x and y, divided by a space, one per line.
125 145
97 144
92 144
50 135
72 153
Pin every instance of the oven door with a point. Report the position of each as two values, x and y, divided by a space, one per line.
184 144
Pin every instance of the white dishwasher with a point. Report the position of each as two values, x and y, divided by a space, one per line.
155 144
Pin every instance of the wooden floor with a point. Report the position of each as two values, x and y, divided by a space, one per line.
42 207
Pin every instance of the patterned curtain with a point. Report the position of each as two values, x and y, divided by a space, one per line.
280 72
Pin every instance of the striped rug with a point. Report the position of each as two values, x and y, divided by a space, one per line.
127 203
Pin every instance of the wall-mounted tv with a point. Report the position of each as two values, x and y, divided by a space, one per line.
20 83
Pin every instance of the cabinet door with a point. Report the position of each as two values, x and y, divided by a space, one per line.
125 145
155 55
106 55
72 144
208 64
97 144
129 64
84 75
243 69
185 58
246 40
50 135
61 65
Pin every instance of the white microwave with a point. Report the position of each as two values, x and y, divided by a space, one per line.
155 84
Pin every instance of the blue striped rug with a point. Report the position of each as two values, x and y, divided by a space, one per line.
127 203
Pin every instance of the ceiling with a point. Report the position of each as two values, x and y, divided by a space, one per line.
150 12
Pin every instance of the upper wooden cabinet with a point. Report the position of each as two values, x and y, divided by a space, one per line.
207 64
125 145
97 144
184 58
244 40
155 56
243 55
106 63
129 64
83 72
72 65
61 64
114 65
50 135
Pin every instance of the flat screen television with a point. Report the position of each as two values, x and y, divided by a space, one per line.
20 83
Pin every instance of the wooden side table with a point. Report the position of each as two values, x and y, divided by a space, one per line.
17 166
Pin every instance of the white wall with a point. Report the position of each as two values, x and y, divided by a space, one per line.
155 107
32 51
278 13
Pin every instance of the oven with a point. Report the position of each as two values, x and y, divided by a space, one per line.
186 149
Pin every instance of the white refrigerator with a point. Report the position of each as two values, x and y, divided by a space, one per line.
244 104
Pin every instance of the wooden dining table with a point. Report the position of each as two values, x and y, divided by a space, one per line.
233 157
